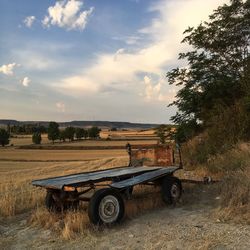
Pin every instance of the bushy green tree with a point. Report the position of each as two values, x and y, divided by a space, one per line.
69 133
62 136
36 138
85 134
53 131
4 137
161 133
94 132
217 74
164 132
79 132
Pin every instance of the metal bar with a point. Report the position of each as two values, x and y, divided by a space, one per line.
198 181
84 198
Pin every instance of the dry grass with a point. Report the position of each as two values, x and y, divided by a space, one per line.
144 198
26 140
233 167
129 133
17 194
235 197
69 225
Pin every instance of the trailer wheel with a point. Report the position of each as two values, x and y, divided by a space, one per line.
106 207
171 189
51 204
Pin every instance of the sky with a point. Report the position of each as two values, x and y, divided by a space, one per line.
93 59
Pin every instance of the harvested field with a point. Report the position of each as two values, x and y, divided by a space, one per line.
25 223
26 140
117 141
57 155
128 133
108 143
17 193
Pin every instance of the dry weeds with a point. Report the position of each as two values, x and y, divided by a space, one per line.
233 167
235 197
18 195
70 224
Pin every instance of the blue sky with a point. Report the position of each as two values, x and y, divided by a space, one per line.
92 59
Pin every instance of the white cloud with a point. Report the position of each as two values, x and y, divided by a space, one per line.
36 59
67 14
128 67
118 52
130 40
26 81
156 91
7 69
60 106
29 20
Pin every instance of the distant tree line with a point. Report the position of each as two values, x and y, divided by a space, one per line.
71 133
53 131
26 129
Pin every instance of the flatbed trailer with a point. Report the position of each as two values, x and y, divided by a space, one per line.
106 205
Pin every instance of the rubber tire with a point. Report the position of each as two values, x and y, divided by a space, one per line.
93 209
53 207
166 186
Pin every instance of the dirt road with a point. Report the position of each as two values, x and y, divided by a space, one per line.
190 225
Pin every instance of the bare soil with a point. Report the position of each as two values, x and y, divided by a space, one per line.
192 224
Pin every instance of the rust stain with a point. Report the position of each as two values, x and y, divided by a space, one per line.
160 155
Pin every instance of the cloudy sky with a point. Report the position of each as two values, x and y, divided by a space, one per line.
92 59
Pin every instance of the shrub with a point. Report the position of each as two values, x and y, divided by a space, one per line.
36 138
69 133
80 133
62 136
94 132
4 137
53 131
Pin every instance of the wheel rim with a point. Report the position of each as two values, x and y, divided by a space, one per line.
109 209
175 191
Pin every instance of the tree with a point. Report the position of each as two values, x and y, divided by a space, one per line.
85 134
69 133
94 132
217 71
164 132
53 131
36 138
62 136
4 137
79 132
160 132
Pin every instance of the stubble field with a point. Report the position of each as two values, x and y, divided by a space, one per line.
148 224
